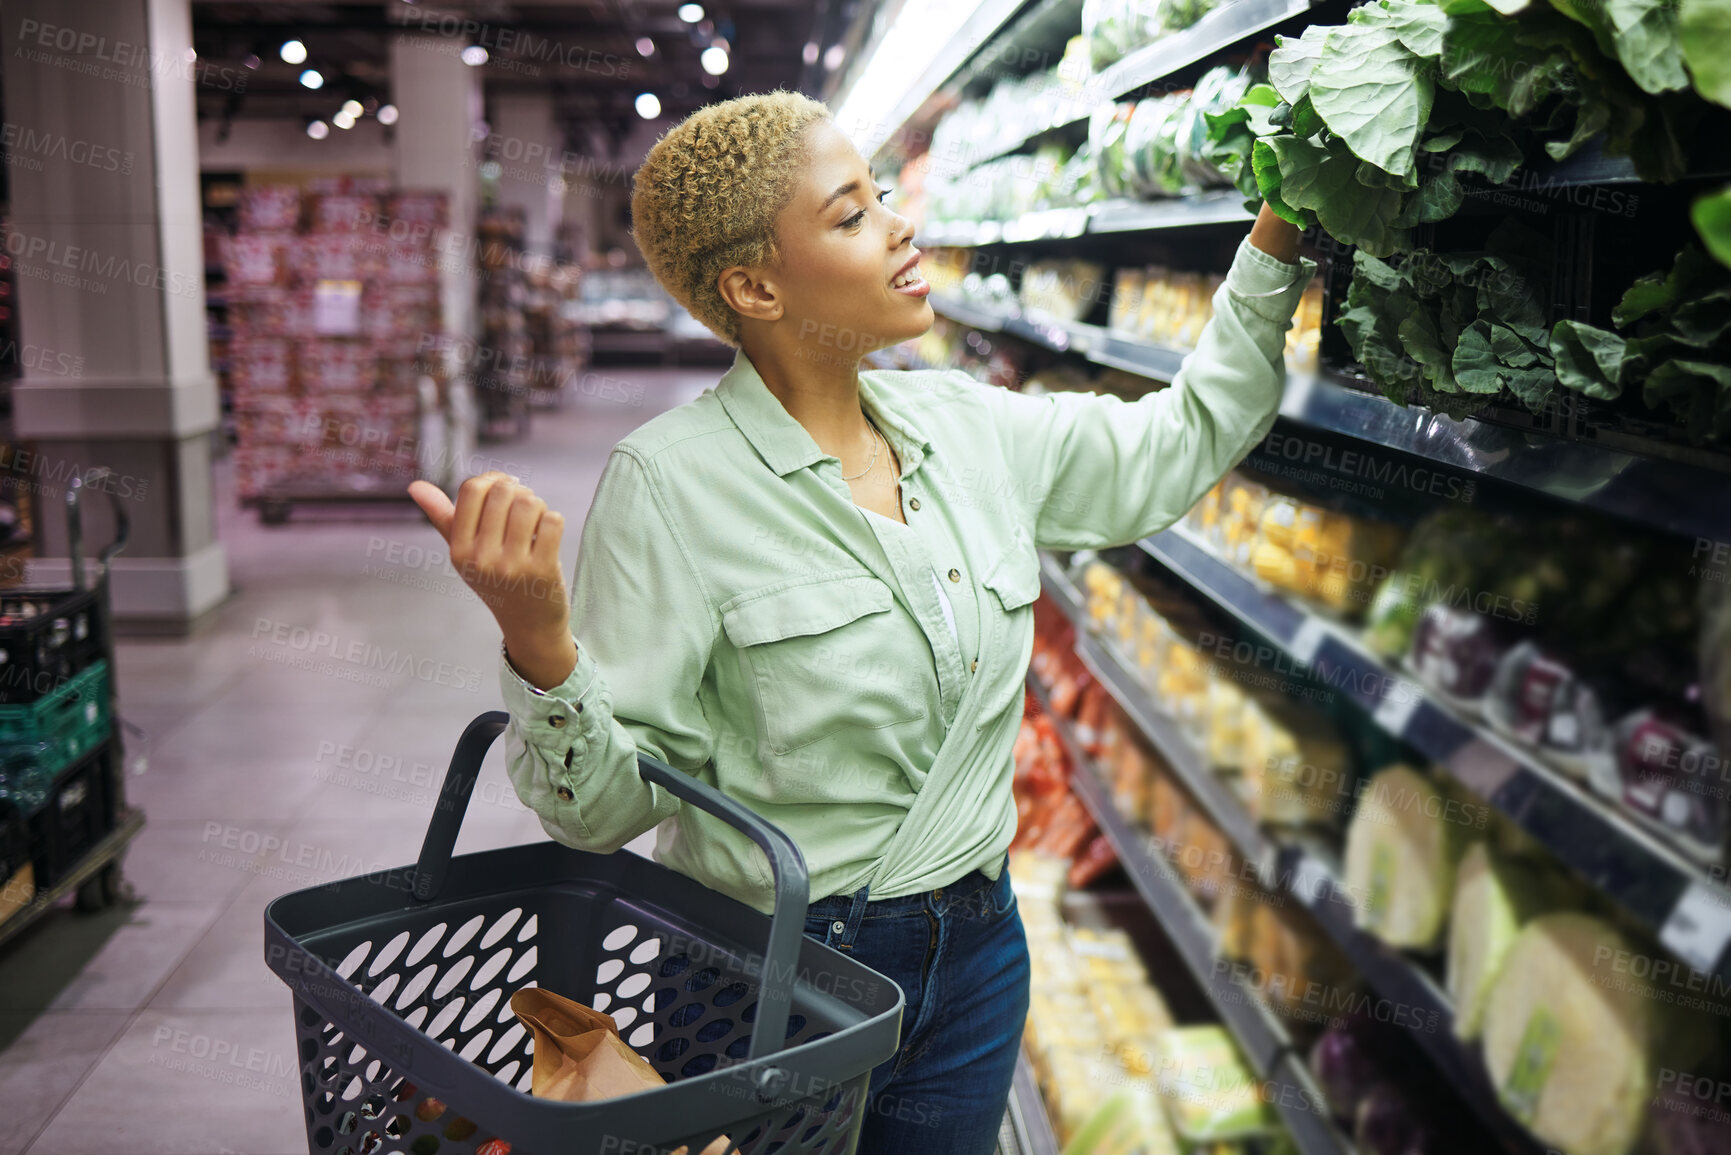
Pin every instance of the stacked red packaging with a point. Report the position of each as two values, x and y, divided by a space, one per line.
334 289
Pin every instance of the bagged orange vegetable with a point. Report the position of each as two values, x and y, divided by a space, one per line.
579 1056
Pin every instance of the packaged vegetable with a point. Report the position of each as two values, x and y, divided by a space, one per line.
1496 895
1573 1042
1402 850
1210 1095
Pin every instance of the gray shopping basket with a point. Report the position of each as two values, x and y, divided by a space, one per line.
402 982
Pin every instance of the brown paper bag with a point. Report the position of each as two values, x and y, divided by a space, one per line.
579 1056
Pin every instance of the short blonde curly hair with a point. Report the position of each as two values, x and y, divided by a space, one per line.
708 194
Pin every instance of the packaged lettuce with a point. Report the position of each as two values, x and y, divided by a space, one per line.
1209 1092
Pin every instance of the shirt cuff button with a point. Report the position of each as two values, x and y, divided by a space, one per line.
565 794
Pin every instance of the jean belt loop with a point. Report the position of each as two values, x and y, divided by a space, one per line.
856 912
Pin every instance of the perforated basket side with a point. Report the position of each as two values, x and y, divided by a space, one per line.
685 1004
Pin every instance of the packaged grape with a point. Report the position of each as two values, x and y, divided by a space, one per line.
1537 700
1455 653
1672 778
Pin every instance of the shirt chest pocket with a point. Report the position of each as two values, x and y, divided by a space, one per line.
1015 577
822 657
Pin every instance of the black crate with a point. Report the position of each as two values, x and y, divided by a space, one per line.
14 841
46 638
78 814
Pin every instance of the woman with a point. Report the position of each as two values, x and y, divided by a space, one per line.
812 585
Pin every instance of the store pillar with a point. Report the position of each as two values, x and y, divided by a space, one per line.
437 147
529 148
106 242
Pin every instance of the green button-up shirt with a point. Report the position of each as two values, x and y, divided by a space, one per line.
738 616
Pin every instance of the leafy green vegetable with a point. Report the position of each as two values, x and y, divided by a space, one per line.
1704 35
1294 59
1588 360
1323 179
1712 217
1679 350
1454 330
1371 90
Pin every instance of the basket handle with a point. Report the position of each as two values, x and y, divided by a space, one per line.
792 883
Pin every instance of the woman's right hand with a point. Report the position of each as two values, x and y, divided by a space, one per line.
503 542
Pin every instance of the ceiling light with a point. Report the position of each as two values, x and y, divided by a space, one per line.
292 51
318 130
474 56
343 120
832 59
353 108
311 78
251 60
714 60
809 54
648 105
387 114
645 46
691 13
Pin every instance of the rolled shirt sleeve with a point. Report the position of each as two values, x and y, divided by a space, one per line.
644 632
1107 472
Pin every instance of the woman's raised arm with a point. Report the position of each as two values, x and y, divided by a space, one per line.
1103 471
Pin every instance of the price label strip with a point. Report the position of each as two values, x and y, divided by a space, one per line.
1401 698
1307 639
1699 927
1310 880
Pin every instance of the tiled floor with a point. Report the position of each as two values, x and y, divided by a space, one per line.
156 1027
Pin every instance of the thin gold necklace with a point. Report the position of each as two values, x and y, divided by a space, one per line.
877 447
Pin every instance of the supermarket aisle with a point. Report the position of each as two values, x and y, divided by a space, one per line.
284 750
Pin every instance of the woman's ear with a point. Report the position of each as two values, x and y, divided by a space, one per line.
748 293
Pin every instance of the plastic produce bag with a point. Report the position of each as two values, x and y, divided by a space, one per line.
579 1056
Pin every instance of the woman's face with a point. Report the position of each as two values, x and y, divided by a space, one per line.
849 279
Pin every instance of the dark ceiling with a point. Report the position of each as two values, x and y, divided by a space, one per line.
566 47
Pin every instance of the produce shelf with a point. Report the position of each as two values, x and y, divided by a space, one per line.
1668 495
1425 1009
979 30
1156 362
1176 748
1095 342
1689 912
1215 32
1310 874
1215 207
956 309
1029 1123
1261 1038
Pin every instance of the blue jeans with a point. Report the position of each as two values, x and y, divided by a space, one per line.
960 957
